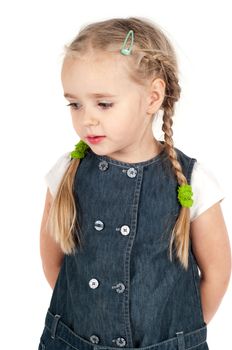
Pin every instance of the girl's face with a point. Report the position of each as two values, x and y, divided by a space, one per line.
104 102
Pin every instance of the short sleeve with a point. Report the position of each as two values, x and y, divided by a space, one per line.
206 190
55 174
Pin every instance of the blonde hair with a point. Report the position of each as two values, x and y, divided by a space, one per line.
152 56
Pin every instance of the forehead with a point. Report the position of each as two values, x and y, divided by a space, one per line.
91 74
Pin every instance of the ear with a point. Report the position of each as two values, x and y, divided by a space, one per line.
156 93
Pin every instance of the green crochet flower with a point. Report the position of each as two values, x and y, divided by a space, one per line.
184 195
80 150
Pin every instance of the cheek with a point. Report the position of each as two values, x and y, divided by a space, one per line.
75 123
118 122
123 116
73 120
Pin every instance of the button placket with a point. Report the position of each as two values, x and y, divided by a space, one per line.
124 230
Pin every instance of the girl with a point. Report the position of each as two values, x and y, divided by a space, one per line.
129 221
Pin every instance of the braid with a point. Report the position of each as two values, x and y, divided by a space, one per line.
180 233
165 67
168 106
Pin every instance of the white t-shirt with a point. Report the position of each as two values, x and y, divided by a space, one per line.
206 188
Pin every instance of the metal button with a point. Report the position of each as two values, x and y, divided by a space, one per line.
131 172
125 230
99 225
119 341
94 339
93 283
103 165
120 287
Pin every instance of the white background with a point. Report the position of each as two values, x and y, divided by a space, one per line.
36 129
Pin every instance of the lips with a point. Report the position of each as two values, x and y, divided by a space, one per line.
95 139
91 136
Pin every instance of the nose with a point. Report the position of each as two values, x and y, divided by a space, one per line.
89 120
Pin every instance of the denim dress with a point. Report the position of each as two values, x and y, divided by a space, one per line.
119 289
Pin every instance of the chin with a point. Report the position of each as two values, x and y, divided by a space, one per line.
97 152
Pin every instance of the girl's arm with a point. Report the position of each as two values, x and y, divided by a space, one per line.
50 252
211 247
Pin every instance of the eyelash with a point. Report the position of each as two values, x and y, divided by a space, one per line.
107 105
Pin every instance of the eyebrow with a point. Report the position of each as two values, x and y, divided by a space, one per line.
92 95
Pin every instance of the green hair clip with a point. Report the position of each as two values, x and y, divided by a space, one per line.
125 51
184 195
80 150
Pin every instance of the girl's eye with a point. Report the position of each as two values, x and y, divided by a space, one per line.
104 105
72 105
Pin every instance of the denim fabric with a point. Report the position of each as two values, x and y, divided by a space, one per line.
119 289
